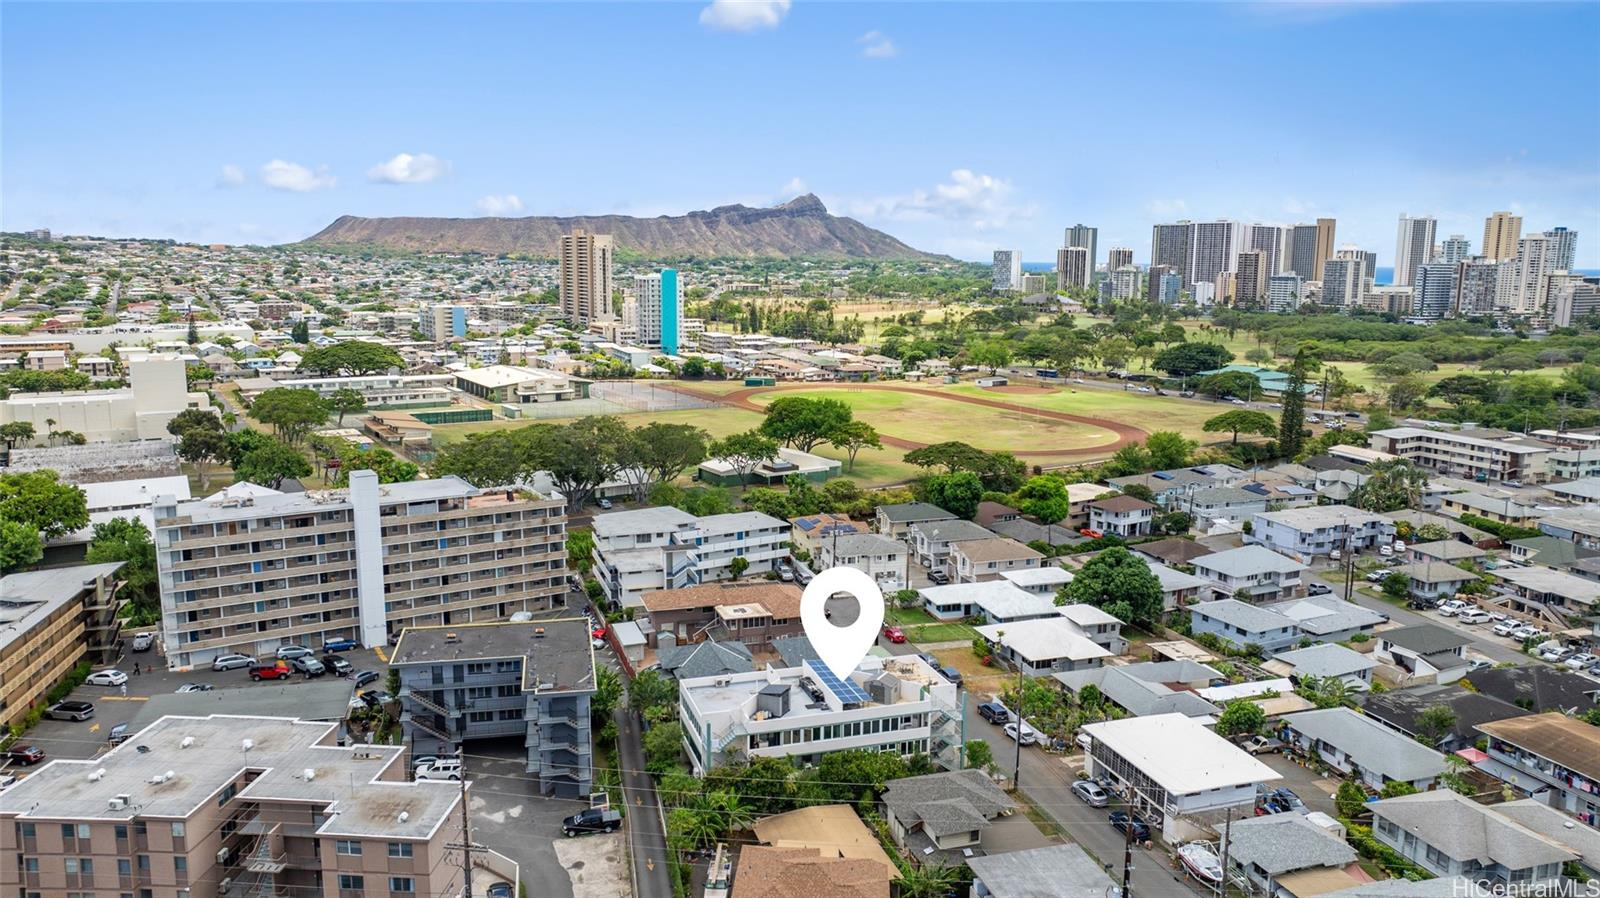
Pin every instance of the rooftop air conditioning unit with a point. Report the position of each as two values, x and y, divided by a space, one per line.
309 774
116 804
187 741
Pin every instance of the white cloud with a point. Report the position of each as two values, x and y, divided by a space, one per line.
1166 208
231 176
982 202
405 168
744 15
795 187
877 45
499 205
293 176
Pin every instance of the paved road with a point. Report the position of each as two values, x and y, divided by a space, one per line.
648 835
1484 642
1047 782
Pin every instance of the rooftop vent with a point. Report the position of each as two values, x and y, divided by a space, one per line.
248 744
187 741
309 774
404 816
96 775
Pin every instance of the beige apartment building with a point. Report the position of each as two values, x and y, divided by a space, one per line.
1501 231
1488 456
198 807
249 574
50 621
585 276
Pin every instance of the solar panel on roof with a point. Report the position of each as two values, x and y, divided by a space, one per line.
1161 475
842 688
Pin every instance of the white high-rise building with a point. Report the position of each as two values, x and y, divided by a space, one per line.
1074 267
1413 247
1455 248
1214 249
1275 242
1285 291
657 310
1563 248
1536 255
1477 286
1572 297
1343 280
1007 270
1126 282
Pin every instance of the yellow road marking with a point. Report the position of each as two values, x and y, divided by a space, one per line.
382 654
94 728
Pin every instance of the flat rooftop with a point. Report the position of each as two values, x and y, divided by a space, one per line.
1180 753
556 653
206 510
30 597
281 751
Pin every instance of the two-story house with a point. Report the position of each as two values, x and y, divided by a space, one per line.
753 613
931 540
650 549
894 521
1553 757
1424 653
879 557
1263 574
1122 516
1450 835
978 560
1313 531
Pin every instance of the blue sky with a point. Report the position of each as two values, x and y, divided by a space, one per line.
957 127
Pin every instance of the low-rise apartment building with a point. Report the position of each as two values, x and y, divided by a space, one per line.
931 540
879 557
651 549
1122 516
1262 573
51 620
900 705
532 679
1553 757
1484 455
236 805
251 573
1316 531
894 521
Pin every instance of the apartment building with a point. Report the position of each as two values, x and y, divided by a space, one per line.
532 679
978 560
1553 757
251 573
377 390
1318 530
585 276
879 557
443 322
658 309
650 549
206 806
1263 573
50 621
1482 455
898 704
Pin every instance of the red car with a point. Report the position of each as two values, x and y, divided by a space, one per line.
1092 534
598 633
894 634
26 754
279 671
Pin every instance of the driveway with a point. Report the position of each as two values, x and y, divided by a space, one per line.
511 817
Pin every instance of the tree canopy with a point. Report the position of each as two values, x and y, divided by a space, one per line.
350 358
270 464
804 421
1242 421
1119 583
291 412
1189 359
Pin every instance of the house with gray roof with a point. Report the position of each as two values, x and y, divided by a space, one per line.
1055 871
894 521
1558 828
1241 624
1150 687
879 557
1538 687
1323 661
1447 550
1450 835
952 812
1402 711
702 659
1550 551
1306 533
793 651
1434 579
1262 573
1265 849
1329 619
1424 653
930 540
1225 503
1025 531
1170 486
1361 748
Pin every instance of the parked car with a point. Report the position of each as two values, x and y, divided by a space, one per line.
364 677
1286 798
1386 551
70 711
1452 607
1507 627
521 617
501 889
7 780
291 652
1260 745
1319 589
786 574
938 577
1125 823
1557 654
143 642
1378 575
229 662
1092 795
187 688
340 645
338 665
894 634
118 735
278 671
25 755
605 504
309 666
1478 664
1582 660
1029 734
592 820
951 674
1524 631
106 678
442 769
1474 616
994 712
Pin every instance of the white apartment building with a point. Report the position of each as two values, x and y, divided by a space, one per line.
1316 530
157 391
1343 280
1074 268
1007 274
1471 455
251 573
376 389
879 557
1413 247
658 310
1284 292
1261 572
650 549
1214 248
898 704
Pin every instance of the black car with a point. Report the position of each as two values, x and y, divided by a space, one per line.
994 712
938 577
338 665
594 820
364 677
1122 820
501 889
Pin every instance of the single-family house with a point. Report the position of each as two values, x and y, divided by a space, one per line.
1450 835
894 521
1362 748
977 560
879 557
1434 579
1313 531
1278 853
1550 756
1407 711
1424 653
1539 687
1054 871
807 532
1044 646
1242 625
1325 661
1264 575
946 816
1122 516
1150 687
930 541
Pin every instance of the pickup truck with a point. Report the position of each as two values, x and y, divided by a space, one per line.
1260 745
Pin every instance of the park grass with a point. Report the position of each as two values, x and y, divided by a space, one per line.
1142 410
933 419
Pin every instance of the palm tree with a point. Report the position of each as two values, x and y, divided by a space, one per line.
929 881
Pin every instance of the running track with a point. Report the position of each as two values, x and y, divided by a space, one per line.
1127 434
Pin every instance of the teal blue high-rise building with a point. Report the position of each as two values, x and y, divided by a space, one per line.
658 309
671 310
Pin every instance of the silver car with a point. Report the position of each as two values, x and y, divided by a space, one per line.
1092 795
230 662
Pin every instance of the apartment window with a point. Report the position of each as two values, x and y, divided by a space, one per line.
1387 827
401 884
121 831
1438 858
144 863
124 867
71 865
177 829
30 865
68 832
348 847
352 883
478 667
27 831
400 849
180 865
228 792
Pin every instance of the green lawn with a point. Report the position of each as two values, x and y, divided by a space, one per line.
907 616
940 633
1140 409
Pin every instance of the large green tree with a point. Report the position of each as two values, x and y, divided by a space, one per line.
293 413
345 401
1230 384
1292 420
1169 449
1242 421
128 540
39 499
659 452
854 436
271 464
194 419
1391 484
200 447
957 493
804 421
350 358
1189 359
1119 583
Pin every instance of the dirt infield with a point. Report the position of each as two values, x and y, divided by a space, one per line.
1127 434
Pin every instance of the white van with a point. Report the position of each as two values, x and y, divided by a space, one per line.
1475 616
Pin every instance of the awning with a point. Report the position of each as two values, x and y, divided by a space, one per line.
1472 755
1309 883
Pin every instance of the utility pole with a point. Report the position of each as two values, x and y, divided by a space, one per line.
1127 857
1324 389
1227 833
466 830
1016 773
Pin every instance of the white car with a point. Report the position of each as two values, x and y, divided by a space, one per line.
442 769
1450 608
1386 551
1526 632
107 678
1237 401
1474 616
229 662
1554 652
1378 575
1029 734
1507 627
1581 660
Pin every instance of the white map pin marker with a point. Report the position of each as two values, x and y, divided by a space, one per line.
842 648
